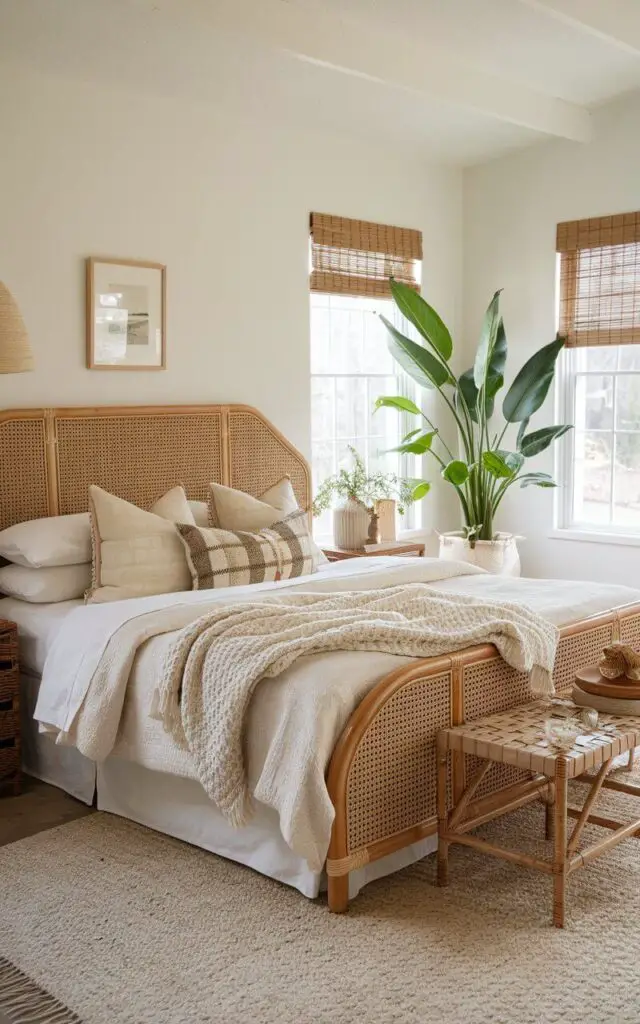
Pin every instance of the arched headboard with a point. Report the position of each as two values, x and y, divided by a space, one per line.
48 457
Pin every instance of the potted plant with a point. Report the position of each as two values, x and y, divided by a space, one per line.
355 521
484 470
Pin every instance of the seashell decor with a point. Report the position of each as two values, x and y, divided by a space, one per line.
619 660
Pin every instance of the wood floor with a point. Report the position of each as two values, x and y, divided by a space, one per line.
36 808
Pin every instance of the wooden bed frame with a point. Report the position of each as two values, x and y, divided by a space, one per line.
382 774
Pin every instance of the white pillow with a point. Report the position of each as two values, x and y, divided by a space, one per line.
235 510
137 553
55 540
50 585
200 512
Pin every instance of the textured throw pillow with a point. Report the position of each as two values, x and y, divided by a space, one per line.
137 553
55 540
227 558
45 586
230 509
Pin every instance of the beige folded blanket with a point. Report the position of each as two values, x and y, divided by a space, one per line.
217 661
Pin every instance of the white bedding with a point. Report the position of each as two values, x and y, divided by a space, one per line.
38 625
275 709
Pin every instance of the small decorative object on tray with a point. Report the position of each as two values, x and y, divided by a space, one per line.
613 684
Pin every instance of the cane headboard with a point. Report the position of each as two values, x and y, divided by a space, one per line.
48 457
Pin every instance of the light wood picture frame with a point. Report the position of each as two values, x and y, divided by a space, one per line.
126 314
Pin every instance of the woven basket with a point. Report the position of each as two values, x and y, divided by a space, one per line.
9 704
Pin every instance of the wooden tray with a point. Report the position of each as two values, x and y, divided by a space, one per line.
592 681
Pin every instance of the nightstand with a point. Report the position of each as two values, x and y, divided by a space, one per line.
393 547
9 707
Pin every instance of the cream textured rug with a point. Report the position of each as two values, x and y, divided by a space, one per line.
121 924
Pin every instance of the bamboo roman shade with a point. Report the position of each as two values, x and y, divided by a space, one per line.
600 280
357 257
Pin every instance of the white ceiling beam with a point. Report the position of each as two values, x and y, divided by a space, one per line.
354 48
615 21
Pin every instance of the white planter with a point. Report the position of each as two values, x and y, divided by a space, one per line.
499 556
351 525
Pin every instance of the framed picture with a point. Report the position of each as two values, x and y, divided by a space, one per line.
126 315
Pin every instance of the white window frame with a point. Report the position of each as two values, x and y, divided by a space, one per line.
410 466
565 526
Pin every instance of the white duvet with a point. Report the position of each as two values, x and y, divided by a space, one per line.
323 689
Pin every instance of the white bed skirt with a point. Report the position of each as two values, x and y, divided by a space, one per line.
180 807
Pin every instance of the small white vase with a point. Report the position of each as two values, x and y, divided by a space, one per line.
498 556
351 525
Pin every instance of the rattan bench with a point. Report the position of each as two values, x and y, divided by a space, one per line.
516 737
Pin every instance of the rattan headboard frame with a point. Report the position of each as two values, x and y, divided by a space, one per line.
48 457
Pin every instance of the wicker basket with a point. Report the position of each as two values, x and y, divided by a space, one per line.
9 705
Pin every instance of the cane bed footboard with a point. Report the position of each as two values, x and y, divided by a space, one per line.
382 777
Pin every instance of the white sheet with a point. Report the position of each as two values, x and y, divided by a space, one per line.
38 625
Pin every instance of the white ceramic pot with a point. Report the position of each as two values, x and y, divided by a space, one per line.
499 556
351 525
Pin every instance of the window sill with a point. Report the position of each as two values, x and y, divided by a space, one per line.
631 540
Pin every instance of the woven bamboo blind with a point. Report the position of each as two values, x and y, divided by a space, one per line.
357 257
600 280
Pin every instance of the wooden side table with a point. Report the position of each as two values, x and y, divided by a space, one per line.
395 547
9 707
516 737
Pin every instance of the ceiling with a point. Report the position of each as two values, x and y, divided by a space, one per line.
455 81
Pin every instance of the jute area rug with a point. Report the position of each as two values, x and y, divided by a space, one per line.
121 925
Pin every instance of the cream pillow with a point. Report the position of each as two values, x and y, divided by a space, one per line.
235 510
54 540
43 586
137 553
200 512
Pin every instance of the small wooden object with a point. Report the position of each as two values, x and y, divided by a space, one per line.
9 707
591 680
515 737
409 548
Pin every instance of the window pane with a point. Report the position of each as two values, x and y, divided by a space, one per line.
626 510
322 408
629 357
594 402
628 403
351 406
592 477
597 357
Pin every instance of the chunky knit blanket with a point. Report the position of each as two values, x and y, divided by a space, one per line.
216 662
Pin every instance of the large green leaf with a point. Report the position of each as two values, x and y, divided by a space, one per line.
530 388
412 433
487 341
498 464
495 378
417 446
423 317
456 472
537 480
535 442
420 490
421 366
396 402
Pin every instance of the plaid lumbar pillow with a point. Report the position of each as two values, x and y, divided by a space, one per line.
226 558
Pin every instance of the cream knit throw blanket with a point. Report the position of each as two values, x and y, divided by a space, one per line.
217 661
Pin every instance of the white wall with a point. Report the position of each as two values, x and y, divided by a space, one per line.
512 206
224 202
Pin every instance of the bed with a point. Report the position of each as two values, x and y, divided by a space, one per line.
381 773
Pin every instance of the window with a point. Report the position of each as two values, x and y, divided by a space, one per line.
351 262
599 314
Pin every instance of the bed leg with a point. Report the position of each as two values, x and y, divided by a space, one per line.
338 893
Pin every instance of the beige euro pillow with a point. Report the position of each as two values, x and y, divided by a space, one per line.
231 509
137 553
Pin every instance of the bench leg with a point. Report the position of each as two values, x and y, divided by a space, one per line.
443 845
560 843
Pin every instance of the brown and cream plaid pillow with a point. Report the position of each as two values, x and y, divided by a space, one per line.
225 558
